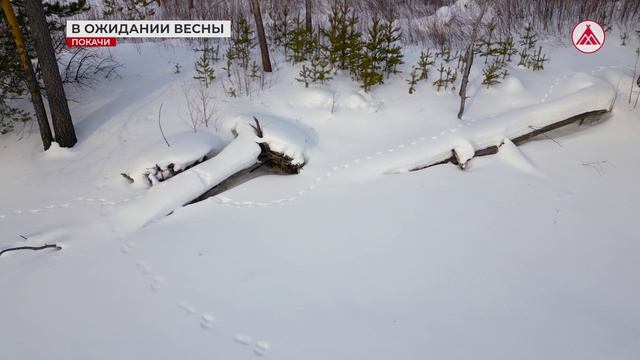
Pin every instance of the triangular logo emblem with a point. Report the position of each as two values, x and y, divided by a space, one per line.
588 37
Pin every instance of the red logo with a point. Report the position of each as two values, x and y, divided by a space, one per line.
588 36
91 42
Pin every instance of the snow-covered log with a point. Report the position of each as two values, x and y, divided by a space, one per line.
177 191
250 149
519 125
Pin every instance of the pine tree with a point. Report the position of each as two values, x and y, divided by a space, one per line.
527 43
305 75
413 81
424 63
204 66
492 74
506 49
320 69
371 71
486 44
392 50
302 43
342 41
537 60
440 82
255 72
281 30
242 41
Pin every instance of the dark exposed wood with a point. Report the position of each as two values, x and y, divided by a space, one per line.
523 138
238 178
269 162
262 39
46 246
60 116
491 150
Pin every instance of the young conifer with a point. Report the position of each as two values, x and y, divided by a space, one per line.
204 66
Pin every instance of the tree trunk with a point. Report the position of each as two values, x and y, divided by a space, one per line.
60 115
262 40
30 76
190 4
307 16
469 57
465 78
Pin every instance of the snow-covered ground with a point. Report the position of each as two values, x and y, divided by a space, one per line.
532 253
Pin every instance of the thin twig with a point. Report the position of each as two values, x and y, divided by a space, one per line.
46 246
160 125
545 135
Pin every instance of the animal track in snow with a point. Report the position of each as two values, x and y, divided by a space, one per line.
187 308
207 320
243 339
156 283
261 347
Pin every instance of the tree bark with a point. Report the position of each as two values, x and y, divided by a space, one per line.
30 76
60 115
469 57
262 40
307 16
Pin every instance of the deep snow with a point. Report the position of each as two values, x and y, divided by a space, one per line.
532 253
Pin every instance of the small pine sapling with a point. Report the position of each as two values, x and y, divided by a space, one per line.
204 67
255 73
229 57
623 38
492 74
413 81
486 44
370 71
242 41
305 76
281 30
527 43
450 79
392 50
507 49
301 43
440 82
424 63
320 69
538 60
342 41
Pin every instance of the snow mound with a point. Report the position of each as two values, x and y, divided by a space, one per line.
510 154
187 148
313 98
58 152
357 101
282 135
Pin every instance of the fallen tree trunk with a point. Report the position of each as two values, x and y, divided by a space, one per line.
237 162
580 117
518 140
